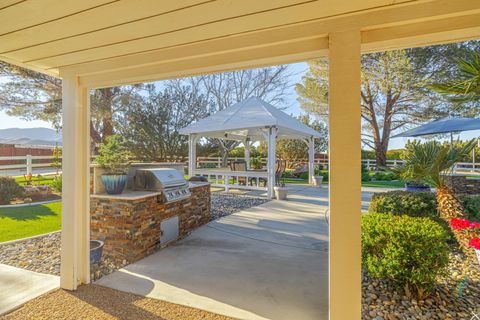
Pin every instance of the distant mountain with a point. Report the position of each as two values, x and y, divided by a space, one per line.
30 136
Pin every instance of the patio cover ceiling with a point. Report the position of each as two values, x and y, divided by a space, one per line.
249 119
135 41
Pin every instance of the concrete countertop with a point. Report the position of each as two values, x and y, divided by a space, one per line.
136 195
127 195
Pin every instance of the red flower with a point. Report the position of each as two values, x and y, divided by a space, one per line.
475 242
475 224
460 224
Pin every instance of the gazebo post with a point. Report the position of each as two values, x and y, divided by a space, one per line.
192 155
311 159
272 137
247 152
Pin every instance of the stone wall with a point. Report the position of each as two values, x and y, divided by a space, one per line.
131 228
463 185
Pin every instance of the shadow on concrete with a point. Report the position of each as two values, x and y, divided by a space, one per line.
266 262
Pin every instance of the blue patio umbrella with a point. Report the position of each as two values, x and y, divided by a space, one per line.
445 125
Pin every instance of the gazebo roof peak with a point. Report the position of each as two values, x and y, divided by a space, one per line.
247 119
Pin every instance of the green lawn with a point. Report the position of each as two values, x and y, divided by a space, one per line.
22 222
46 180
379 184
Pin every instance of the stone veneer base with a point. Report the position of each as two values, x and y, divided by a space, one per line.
130 227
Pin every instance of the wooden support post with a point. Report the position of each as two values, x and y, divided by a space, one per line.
75 250
247 153
271 160
192 155
311 159
345 176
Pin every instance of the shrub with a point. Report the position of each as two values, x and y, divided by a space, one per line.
9 190
411 252
365 173
324 174
57 184
415 204
113 156
471 203
384 176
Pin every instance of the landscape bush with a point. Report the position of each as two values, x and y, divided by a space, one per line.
9 190
384 176
471 203
57 184
323 173
415 204
409 251
365 173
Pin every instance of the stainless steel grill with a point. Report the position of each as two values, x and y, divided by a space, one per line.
168 181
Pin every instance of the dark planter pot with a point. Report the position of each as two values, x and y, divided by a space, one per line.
413 187
114 184
96 249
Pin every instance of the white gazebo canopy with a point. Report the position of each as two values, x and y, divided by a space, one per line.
249 121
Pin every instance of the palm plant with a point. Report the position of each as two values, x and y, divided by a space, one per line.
466 88
430 163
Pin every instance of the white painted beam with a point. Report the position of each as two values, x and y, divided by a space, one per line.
75 257
271 161
311 159
192 155
247 153
345 180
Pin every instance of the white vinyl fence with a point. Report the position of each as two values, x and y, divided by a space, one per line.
27 164
216 162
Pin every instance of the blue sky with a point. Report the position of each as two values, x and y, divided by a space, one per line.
297 70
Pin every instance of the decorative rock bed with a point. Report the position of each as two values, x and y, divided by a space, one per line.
381 300
224 204
42 254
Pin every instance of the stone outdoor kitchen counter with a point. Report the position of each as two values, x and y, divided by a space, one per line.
129 223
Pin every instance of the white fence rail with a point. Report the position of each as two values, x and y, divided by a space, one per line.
216 162
27 163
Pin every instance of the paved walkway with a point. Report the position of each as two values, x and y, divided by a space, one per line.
18 286
267 262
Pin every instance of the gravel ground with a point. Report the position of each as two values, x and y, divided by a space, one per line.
224 204
99 303
39 254
382 301
43 254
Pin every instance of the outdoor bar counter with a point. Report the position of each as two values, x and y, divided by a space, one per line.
130 223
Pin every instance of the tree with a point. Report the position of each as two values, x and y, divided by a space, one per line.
151 126
429 162
30 95
394 91
228 88
464 89
35 96
294 151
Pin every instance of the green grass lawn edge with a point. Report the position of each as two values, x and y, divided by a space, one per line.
29 221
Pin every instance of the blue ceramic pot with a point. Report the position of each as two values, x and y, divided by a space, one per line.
413 187
114 184
96 249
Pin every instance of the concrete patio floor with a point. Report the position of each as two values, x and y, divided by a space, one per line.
19 286
266 262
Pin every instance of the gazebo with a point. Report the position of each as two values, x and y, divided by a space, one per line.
249 121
